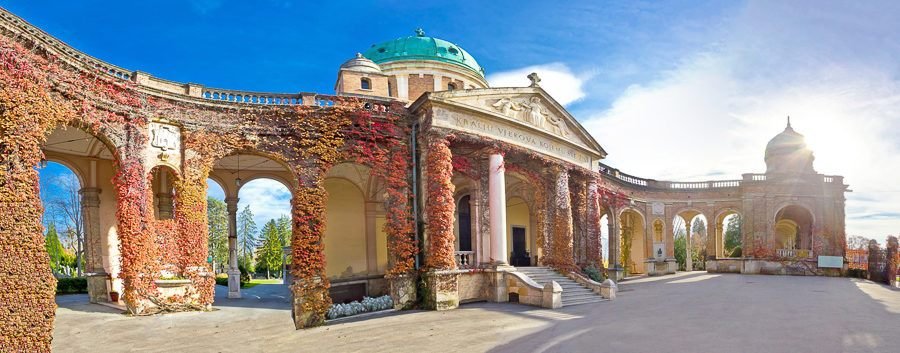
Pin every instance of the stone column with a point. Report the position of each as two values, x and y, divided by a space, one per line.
594 248
616 271
497 204
164 196
560 254
234 274
688 263
93 259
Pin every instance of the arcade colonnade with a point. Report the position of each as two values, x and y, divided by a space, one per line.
399 175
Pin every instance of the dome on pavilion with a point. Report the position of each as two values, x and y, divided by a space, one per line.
787 153
420 47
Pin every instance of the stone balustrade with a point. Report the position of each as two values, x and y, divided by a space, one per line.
464 259
794 253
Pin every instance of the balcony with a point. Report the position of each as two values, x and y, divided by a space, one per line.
464 259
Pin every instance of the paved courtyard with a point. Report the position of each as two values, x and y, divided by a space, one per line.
686 312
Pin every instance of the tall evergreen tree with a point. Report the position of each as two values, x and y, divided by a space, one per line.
54 248
284 229
247 239
269 253
217 219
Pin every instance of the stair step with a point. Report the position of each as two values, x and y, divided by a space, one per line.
580 302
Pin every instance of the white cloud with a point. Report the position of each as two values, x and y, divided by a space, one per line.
267 198
556 78
712 116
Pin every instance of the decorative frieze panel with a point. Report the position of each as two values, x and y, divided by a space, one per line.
511 133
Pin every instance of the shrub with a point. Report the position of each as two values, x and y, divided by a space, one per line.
223 281
71 285
368 305
737 252
593 273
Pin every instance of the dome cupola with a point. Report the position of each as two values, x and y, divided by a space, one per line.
422 48
786 153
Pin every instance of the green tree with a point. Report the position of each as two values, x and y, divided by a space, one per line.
733 234
217 220
269 254
247 240
698 244
54 248
680 249
284 229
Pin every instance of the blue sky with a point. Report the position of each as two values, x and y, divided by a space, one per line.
687 90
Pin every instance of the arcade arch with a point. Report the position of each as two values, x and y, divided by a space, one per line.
92 202
794 226
693 225
355 241
632 241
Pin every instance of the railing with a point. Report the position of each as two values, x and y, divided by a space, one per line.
464 258
794 253
252 97
605 169
669 185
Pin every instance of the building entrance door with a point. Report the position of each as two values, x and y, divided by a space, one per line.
520 255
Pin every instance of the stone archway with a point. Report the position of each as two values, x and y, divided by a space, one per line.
92 160
632 241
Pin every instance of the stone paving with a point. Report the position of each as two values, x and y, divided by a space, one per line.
686 312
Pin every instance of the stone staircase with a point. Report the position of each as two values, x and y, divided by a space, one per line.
573 293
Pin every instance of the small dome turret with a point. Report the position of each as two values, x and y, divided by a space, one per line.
787 153
361 64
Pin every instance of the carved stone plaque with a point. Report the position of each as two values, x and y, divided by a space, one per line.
658 208
164 145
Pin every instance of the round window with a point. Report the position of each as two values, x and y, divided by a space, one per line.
381 50
453 51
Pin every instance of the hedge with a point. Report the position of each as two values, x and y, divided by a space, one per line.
71 285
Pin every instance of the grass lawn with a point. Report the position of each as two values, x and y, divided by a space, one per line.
257 281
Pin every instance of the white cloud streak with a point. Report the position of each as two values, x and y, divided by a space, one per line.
556 78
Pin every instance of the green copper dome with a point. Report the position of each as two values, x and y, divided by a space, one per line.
420 47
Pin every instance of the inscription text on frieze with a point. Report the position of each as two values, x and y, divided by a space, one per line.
511 134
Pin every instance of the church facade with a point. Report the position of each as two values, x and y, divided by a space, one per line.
415 178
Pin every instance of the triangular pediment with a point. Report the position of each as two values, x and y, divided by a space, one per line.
529 107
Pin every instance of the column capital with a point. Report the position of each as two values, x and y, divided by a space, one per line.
231 203
90 197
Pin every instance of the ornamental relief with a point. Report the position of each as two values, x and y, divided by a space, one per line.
164 145
531 111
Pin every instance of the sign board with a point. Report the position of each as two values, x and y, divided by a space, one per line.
659 251
831 261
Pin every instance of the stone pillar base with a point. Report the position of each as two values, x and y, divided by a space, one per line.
310 303
499 286
234 284
98 292
616 273
671 266
441 290
403 291
552 296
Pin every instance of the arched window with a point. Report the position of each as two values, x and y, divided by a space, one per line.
365 83
451 86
